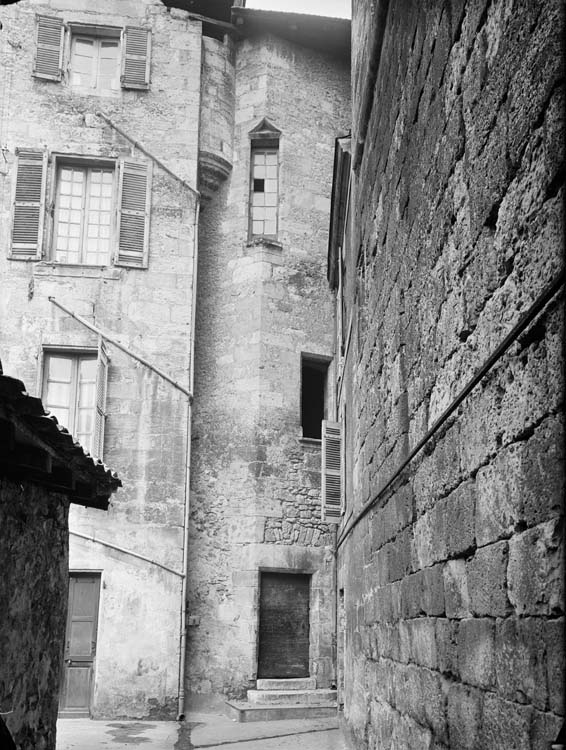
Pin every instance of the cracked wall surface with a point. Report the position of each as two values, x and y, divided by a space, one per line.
453 582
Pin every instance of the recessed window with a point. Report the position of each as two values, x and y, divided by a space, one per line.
264 192
84 209
313 396
95 64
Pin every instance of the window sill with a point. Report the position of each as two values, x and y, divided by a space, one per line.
46 268
264 242
314 442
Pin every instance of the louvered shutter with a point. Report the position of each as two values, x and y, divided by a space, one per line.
133 214
331 471
49 48
136 53
100 413
29 202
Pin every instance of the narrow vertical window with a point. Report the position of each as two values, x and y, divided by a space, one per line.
264 192
264 181
313 396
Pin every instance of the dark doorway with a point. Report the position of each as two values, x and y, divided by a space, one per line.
283 625
80 644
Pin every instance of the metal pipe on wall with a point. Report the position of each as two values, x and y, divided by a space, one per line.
183 634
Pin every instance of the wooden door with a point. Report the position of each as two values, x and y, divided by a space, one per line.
283 625
80 644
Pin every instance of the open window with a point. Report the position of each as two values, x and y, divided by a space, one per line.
74 391
314 377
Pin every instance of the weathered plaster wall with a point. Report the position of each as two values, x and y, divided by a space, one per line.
148 310
33 602
453 583
256 486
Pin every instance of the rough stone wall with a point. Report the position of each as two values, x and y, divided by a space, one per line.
148 310
33 602
453 582
255 485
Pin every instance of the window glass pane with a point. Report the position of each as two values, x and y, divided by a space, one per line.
269 227
108 77
271 186
83 69
258 212
59 368
271 158
271 199
257 227
258 199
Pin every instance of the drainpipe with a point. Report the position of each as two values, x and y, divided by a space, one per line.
183 634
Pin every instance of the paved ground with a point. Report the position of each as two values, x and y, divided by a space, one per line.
212 730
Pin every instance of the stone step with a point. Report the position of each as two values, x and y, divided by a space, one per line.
293 683
290 697
245 711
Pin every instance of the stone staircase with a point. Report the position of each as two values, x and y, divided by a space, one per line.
273 700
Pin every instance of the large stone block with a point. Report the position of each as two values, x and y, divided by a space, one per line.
476 652
433 591
554 637
535 573
456 595
459 508
520 663
464 710
505 724
423 642
446 633
544 730
487 580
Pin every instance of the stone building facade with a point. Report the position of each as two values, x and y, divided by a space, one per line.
263 318
112 117
99 113
42 473
447 262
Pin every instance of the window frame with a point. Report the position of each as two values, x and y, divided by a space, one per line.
321 363
58 162
97 34
100 356
266 146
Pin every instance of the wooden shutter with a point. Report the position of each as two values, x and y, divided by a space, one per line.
136 53
100 409
49 48
29 204
134 196
331 471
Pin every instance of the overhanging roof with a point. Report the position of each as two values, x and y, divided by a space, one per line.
35 448
331 35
